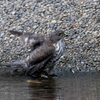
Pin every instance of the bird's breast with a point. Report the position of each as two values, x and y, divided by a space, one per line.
59 48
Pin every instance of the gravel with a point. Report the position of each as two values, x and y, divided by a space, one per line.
79 18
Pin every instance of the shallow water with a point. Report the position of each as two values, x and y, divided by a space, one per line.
68 87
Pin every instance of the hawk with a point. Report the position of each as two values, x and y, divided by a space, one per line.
46 50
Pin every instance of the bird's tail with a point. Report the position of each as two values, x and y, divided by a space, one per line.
14 64
13 68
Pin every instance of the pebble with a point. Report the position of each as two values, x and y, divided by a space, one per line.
53 21
80 19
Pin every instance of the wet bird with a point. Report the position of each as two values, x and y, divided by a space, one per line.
46 51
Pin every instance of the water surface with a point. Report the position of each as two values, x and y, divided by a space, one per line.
68 87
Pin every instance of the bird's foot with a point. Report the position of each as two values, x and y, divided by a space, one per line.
43 76
48 75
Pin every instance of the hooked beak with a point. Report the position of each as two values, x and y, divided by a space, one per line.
65 34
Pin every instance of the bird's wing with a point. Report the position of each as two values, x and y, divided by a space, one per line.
36 62
20 33
39 58
38 68
40 54
16 33
31 39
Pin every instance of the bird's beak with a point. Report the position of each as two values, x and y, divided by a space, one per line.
65 34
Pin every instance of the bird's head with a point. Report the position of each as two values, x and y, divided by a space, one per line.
57 35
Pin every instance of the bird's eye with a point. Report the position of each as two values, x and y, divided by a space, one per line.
60 34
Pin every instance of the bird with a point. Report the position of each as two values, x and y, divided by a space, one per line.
44 55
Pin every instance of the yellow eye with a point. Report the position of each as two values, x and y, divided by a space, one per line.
60 34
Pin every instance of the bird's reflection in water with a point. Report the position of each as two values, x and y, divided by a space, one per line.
42 90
